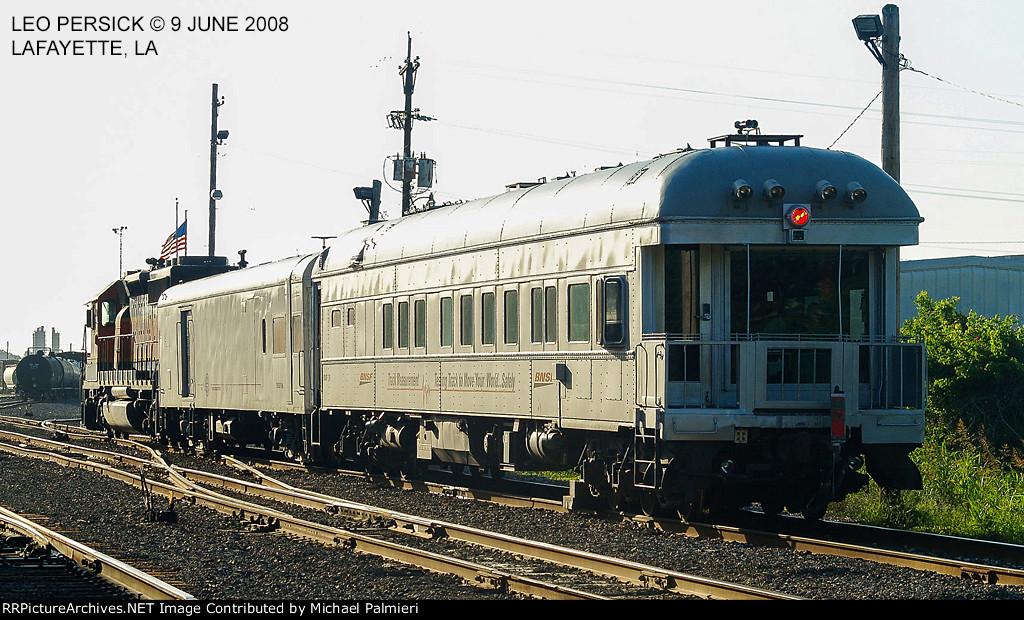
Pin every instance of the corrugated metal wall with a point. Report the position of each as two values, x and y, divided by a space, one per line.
988 285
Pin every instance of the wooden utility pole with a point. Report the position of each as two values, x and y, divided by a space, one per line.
215 104
891 90
408 72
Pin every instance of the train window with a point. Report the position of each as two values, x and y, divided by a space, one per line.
536 315
466 320
280 336
296 333
446 321
613 301
351 317
336 318
108 313
511 317
263 335
550 312
403 325
387 316
579 312
682 290
487 318
808 299
420 323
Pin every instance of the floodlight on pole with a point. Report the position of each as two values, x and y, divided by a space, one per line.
869 30
881 35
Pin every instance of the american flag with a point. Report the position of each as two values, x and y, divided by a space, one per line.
175 243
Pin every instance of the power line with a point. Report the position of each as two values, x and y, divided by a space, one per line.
855 120
563 77
1017 200
971 90
960 189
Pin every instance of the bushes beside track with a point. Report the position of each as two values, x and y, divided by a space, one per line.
972 461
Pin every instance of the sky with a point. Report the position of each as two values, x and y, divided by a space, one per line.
95 142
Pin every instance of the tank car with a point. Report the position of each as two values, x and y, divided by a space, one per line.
710 327
10 377
48 376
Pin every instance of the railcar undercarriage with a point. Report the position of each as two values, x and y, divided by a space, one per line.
801 471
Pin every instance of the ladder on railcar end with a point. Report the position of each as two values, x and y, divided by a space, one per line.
648 471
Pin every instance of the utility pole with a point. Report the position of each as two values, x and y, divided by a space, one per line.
408 71
119 231
216 138
872 30
407 168
891 90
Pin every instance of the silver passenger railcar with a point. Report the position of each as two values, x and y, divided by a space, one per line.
665 327
710 326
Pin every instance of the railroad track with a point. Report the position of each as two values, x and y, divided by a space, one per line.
184 484
972 559
41 564
925 558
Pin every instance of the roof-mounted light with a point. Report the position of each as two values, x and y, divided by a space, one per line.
773 191
825 191
741 190
855 194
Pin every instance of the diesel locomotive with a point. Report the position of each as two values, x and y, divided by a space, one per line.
711 327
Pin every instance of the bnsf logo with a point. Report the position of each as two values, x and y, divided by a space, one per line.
365 377
542 377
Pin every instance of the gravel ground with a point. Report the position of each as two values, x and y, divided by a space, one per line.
218 558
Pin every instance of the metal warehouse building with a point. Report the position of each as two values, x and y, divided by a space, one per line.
987 285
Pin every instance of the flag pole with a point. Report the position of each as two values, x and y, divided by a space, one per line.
186 232
175 226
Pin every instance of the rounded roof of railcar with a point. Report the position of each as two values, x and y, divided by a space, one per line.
690 185
250 278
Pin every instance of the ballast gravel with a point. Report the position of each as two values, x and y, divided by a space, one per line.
219 558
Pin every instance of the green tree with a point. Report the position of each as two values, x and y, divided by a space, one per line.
975 372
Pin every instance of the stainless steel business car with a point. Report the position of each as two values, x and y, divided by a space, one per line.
707 328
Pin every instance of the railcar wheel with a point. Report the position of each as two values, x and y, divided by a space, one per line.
650 505
694 505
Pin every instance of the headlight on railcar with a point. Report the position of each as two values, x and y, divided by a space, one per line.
825 191
741 190
773 191
855 193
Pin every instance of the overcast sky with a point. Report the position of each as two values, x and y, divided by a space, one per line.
519 90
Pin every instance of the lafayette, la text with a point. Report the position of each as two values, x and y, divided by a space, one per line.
83 47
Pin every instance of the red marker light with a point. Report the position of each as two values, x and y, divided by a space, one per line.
799 216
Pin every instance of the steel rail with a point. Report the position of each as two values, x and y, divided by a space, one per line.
623 570
946 566
954 567
111 569
331 536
